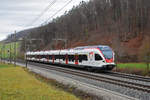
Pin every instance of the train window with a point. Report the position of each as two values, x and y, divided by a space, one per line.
43 56
71 57
82 58
36 56
63 57
31 56
98 57
50 57
57 57
28 56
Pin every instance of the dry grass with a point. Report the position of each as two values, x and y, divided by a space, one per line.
68 88
17 84
131 71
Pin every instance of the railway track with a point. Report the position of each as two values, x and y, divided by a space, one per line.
98 77
123 75
128 76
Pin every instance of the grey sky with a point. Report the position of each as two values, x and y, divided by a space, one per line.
18 14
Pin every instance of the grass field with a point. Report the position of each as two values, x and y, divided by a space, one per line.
134 68
17 84
4 65
132 65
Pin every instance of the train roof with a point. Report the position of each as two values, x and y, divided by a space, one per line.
76 49
96 46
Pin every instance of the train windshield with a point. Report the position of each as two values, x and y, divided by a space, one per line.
107 52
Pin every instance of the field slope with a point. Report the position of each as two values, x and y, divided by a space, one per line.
17 84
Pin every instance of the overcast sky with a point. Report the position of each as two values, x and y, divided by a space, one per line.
18 14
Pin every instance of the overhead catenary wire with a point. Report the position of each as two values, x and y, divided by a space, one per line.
57 12
43 12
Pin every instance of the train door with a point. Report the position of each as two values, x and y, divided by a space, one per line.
53 58
59 57
39 57
91 58
66 58
76 59
98 59
47 58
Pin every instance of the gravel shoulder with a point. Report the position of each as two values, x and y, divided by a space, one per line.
79 84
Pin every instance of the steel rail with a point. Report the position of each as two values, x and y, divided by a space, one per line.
128 76
135 86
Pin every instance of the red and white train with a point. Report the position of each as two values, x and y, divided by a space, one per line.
90 57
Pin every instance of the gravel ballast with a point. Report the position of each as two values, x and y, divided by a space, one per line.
105 90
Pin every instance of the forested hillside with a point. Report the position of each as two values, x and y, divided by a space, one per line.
122 24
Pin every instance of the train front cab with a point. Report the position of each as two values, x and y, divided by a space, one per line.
108 56
101 60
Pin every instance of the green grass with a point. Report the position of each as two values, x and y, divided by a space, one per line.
133 68
132 65
5 48
17 84
5 65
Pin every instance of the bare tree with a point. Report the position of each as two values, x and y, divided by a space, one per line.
145 52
